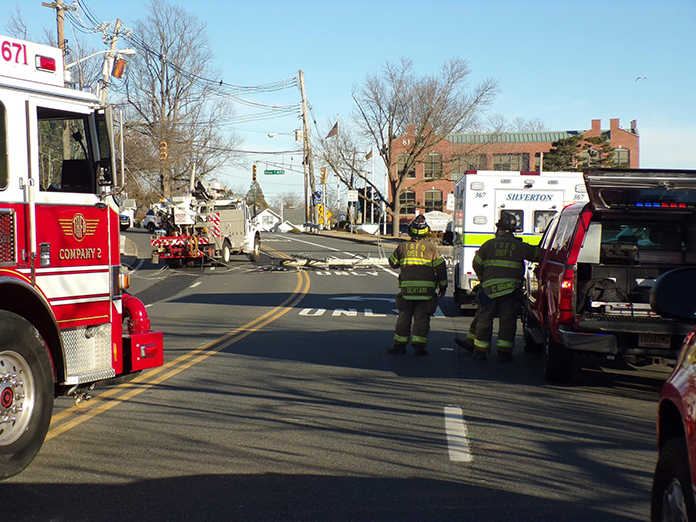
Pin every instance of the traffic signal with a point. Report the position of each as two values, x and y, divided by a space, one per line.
323 175
253 173
163 150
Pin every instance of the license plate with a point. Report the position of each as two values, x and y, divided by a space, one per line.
646 340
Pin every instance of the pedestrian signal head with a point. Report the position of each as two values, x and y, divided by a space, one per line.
418 227
507 222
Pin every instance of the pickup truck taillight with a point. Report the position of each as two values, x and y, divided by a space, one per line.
567 291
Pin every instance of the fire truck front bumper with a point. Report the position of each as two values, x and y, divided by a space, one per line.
146 350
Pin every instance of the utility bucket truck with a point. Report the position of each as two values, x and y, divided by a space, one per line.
206 225
65 321
482 197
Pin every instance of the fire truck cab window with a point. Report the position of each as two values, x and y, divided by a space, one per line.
64 159
3 147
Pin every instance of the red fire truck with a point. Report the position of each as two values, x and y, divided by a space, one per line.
65 322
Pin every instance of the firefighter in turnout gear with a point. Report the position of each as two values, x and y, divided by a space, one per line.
423 272
499 265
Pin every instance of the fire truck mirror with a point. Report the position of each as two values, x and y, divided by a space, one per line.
104 170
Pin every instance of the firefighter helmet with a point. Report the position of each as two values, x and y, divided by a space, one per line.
507 222
419 227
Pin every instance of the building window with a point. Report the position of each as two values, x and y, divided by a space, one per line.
590 158
622 157
463 162
401 164
433 200
511 161
433 166
408 202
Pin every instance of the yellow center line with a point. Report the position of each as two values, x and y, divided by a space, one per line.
127 391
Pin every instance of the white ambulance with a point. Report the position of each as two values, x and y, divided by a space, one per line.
482 197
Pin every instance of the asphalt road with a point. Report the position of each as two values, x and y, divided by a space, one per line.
277 401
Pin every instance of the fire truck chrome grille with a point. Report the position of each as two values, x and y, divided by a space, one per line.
7 238
88 353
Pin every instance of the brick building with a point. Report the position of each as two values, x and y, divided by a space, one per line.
432 182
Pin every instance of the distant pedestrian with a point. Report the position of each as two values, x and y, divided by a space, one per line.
499 265
423 278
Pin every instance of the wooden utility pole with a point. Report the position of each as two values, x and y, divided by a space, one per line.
308 163
60 20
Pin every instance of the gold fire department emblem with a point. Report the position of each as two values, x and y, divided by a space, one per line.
79 227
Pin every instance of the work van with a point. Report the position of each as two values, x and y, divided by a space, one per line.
590 293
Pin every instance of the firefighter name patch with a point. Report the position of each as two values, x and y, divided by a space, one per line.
78 227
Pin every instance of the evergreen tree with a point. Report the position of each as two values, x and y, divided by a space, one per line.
563 154
255 198
567 154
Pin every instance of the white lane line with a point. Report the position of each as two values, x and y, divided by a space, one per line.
194 285
457 435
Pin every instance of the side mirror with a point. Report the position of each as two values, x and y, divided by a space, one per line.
104 172
673 294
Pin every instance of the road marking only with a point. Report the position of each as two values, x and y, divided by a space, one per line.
457 435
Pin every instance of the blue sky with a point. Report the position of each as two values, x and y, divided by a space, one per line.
564 63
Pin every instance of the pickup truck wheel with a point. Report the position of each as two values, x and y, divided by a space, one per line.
672 499
557 360
226 253
26 393
254 254
530 346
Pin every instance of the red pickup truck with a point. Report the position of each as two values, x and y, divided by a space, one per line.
590 292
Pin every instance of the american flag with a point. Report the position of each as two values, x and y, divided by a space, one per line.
333 131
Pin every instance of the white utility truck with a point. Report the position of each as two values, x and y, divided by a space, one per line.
206 225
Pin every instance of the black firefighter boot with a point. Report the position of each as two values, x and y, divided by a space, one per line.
419 349
397 348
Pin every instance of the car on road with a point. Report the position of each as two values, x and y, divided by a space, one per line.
675 473
124 221
151 221
590 292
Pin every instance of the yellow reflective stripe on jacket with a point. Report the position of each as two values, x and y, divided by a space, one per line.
506 264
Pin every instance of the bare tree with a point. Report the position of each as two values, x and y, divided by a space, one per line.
16 25
287 200
435 106
347 156
173 101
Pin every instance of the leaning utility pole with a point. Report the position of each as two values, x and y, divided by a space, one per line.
60 20
307 161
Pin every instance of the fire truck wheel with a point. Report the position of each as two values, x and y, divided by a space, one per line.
254 255
26 393
226 253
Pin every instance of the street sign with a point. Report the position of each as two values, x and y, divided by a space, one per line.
352 195
273 172
320 211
